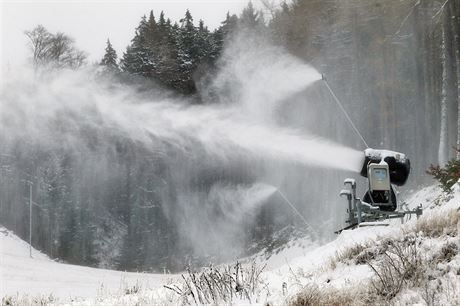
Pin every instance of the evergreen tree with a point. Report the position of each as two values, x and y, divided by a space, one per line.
280 24
203 42
138 58
169 52
188 53
109 61
162 21
250 19
223 33
152 38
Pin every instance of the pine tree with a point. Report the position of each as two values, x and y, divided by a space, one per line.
187 53
138 58
171 54
152 34
250 19
203 42
109 61
162 21
224 33
170 70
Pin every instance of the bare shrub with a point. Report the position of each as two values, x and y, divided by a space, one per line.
134 289
428 294
27 300
448 251
216 285
400 264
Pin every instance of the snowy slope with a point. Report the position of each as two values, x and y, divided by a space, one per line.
288 272
20 274
317 265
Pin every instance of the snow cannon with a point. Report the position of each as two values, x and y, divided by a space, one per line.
384 168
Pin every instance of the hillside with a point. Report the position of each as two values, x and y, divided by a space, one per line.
40 276
342 272
416 263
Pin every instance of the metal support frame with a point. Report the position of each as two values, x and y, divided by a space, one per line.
359 211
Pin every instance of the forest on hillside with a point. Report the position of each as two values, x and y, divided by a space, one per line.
114 202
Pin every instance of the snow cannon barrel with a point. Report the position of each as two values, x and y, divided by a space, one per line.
398 164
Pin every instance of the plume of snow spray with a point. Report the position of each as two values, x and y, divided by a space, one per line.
33 109
59 110
224 214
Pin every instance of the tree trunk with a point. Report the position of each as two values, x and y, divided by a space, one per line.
451 81
442 153
456 46
422 130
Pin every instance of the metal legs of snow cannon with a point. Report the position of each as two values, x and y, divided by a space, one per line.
355 205
352 201
361 213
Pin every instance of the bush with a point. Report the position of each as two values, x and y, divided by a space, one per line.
447 175
221 285
27 300
399 265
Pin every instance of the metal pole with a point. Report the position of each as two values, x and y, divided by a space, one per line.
30 219
358 208
344 112
298 213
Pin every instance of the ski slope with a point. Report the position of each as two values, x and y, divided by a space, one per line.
288 271
22 275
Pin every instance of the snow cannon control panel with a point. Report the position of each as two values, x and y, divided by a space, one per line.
379 180
383 169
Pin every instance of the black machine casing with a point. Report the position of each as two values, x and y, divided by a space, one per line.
398 164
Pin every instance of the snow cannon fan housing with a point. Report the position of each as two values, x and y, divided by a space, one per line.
398 164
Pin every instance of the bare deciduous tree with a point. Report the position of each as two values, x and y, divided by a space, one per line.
54 50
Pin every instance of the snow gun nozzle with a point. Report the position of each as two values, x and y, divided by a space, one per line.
323 77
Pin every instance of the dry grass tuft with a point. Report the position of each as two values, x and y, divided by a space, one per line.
349 254
439 224
312 295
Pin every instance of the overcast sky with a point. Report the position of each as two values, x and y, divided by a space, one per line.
90 23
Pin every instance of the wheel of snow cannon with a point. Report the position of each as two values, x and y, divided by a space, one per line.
392 207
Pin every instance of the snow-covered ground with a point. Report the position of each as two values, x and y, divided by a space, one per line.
22 275
288 271
318 266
